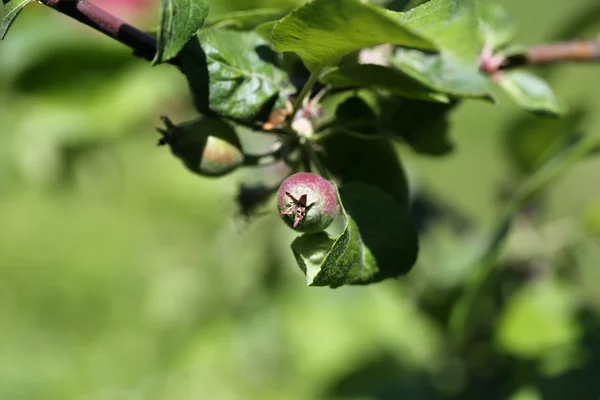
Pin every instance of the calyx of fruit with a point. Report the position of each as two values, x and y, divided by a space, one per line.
307 202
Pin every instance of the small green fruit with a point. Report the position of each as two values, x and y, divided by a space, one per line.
307 202
207 146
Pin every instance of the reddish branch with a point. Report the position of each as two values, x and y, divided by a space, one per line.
559 52
576 50
143 44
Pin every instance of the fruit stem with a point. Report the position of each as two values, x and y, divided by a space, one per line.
307 147
312 79
271 157
327 133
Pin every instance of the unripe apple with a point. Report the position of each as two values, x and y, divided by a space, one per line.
307 202
207 146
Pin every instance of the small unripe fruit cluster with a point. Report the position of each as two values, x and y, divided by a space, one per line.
207 146
307 202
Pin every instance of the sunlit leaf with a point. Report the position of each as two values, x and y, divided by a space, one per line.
324 30
496 27
538 319
246 19
9 13
179 21
233 73
265 29
443 74
453 26
532 93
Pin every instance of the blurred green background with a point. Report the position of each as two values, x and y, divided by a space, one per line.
123 276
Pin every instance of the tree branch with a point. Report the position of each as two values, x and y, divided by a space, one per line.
576 50
553 53
142 44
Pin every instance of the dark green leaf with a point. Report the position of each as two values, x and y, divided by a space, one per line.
378 76
179 21
531 140
453 26
496 27
245 20
11 10
385 229
378 242
324 30
423 125
233 74
532 93
354 159
376 377
355 113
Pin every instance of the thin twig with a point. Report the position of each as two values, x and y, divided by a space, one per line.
143 44
313 78
559 52
576 50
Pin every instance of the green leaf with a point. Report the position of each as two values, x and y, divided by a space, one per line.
514 50
245 20
385 228
265 29
497 28
233 73
324 30
381 77
179 21
538 319
532 93
362 159
378 242
443 73
422 125
531 140
453 26
10 11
